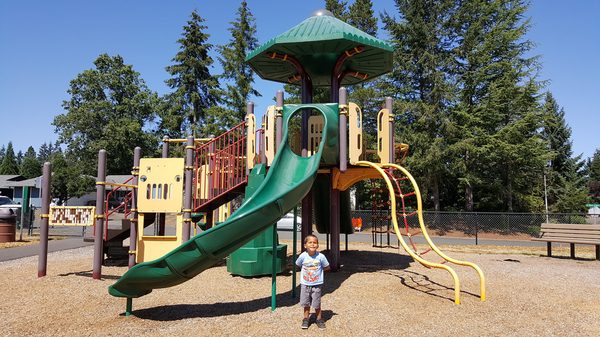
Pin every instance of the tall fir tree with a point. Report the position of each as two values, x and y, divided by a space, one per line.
338 8
9 162
195 87
420 84
566 185
237 74
594 177
498 153
31 167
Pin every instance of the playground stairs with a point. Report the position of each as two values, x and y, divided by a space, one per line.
116 254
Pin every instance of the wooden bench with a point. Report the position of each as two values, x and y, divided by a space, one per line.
571 234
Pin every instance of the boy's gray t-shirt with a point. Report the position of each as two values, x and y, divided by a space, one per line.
312 268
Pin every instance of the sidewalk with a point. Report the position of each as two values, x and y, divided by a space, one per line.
7 254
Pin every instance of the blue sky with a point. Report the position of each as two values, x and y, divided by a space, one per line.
45 44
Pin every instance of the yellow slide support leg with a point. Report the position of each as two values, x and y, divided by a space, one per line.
426 235
414 255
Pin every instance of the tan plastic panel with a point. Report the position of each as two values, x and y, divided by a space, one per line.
250 140
383 135
269 127
160 187
315 133
355 146
151 247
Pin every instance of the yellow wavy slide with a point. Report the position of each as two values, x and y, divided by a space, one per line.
379 168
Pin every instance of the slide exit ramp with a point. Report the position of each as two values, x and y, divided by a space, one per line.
287 182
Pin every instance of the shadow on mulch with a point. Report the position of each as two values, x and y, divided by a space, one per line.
88 273
352 262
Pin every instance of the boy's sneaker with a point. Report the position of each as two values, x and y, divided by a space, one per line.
305 323
320 323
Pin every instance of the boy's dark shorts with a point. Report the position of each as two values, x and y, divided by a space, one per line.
310 296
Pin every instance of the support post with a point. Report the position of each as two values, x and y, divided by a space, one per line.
274 271
306 96
343 129
46 185
334 218
295 249
133 235
187 201
99 234
572 246
278 119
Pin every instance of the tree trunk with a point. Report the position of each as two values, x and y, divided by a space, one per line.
469 198
436 194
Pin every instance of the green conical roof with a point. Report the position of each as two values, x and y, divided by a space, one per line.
316 43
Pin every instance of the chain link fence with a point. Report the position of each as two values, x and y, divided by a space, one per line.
471 223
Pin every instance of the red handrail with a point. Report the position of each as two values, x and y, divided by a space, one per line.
220 165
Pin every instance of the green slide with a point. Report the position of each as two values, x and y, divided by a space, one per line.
289 179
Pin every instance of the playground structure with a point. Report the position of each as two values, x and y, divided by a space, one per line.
316 166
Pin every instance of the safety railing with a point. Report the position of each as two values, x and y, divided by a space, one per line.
220 166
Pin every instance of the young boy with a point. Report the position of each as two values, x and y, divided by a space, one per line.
313 265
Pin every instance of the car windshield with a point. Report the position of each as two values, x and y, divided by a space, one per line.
6 201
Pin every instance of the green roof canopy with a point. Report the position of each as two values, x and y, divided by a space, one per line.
317 43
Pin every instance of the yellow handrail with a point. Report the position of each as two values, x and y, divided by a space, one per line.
426 235
415 256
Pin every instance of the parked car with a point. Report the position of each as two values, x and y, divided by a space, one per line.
286 223
8 208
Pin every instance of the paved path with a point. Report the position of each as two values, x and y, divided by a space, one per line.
34 250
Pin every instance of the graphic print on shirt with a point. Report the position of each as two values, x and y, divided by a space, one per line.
311 270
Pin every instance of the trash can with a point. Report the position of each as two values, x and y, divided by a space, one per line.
8 229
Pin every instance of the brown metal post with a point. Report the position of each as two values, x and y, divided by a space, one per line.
278 119
334 227
389 104
133 235
99 234
306 94
46 186
343 129
187 201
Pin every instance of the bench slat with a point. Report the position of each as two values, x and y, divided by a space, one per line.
582 231
572 235
570 226
566 240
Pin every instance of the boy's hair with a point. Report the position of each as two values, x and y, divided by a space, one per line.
311 236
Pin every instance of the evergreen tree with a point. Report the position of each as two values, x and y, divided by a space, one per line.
337 8
498 153
9 162
2 153
420 84
109 108
566 183
195 88
237 74
594 177
31 167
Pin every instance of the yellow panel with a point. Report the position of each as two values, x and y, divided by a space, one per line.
250 140
269 127
355 148
152 247
383 135
160 185
315 133
202 182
